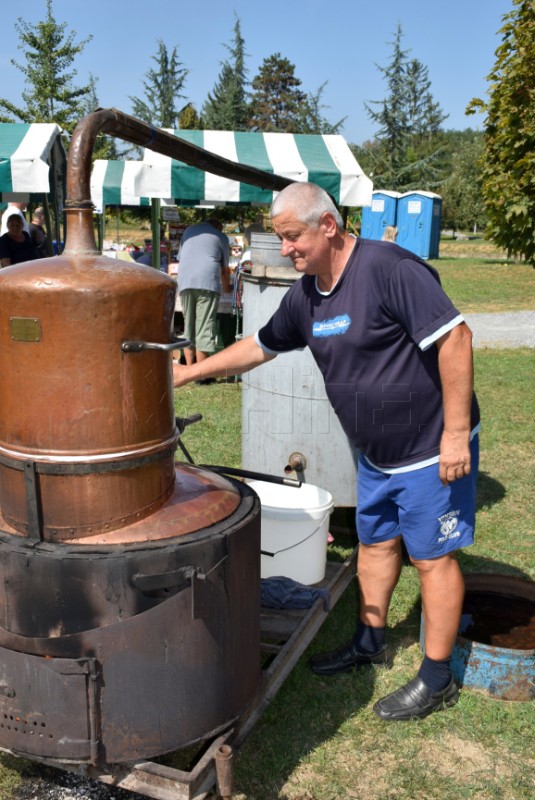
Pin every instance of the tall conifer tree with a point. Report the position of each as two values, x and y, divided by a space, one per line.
51 95
277 98
163 89
408 156
226 107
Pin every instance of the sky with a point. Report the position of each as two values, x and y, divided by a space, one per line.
338 44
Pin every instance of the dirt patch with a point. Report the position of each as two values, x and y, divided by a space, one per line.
459 759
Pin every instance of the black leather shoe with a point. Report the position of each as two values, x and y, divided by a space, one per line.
415 701
344 659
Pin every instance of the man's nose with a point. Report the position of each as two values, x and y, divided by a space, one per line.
286 247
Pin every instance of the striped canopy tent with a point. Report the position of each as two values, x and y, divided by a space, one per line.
32 160
33 167
113 184
323 159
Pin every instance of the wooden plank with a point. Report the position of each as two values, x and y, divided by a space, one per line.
278 627
269 648
338 579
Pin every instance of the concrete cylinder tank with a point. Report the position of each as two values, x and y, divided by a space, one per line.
287 420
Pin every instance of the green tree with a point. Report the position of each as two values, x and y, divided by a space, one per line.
409 120
312 118
277 99
163 89
188 119
462 200
508 162
392 117
226 107
105 146
424 115
51 95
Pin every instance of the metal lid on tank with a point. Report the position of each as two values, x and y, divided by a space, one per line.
267 259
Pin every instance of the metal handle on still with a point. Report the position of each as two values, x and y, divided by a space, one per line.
179 579
167 347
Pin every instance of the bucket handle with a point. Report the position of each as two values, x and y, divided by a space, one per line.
291 547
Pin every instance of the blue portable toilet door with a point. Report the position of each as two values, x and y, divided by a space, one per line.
419 223
379 215
411 225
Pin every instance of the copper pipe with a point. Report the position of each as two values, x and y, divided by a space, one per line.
78 206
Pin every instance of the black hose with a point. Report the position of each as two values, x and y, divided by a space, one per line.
257 476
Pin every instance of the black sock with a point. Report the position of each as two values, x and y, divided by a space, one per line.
368 639
435 674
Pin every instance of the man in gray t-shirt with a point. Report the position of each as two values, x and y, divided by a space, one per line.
202 272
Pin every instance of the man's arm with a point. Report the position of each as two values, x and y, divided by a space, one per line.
457 377
240 357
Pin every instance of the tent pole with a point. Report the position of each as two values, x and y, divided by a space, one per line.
155 223
48 223
57 225
101 228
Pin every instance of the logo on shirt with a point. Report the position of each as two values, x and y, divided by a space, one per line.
331 327
448 523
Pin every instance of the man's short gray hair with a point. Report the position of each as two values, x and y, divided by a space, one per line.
308 201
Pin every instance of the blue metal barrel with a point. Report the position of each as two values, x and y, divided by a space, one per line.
507 673
501 672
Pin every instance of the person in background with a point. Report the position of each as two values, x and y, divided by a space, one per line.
18 209
38 233
146 258
203 270
255 227
16 245
390 233
396 357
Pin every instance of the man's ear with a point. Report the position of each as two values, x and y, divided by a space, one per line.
329 224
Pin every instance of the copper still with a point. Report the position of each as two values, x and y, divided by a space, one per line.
129 599
76 403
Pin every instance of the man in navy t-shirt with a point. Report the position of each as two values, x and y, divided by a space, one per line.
396 357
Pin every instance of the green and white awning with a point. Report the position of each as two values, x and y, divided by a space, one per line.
25 158
113 184
326 160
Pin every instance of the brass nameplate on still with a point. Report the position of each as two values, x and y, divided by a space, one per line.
25 329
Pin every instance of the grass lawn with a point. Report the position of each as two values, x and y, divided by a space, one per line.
487 285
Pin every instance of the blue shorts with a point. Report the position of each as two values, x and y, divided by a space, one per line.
431 518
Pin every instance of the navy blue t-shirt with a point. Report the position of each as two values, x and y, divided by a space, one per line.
373 339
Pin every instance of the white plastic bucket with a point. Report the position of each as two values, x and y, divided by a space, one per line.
295 526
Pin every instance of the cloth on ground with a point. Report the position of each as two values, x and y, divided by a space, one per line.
281 592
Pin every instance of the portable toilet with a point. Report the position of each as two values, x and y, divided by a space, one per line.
418 223
379 215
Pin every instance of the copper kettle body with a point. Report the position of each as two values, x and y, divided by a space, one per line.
95 419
